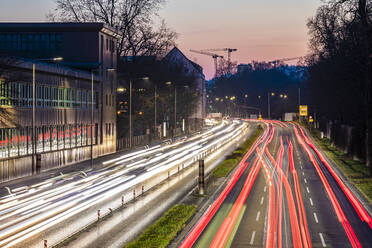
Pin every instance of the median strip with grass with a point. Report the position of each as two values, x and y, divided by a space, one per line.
223 169
165 229
355 171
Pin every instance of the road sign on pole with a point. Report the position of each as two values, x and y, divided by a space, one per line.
303 110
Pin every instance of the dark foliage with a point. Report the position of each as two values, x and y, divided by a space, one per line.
339 66
251 89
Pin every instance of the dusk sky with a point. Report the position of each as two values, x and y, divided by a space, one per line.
260 30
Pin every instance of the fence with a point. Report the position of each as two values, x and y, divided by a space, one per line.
124 143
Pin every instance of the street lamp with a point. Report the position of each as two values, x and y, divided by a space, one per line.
175 103
92 109
56 59
130 106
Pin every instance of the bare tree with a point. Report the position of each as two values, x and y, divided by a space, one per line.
8 71
340 68
224 67
134 18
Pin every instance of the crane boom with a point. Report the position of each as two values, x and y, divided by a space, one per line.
277 61
228 50
213 55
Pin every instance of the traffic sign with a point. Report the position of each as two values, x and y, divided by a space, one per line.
303 110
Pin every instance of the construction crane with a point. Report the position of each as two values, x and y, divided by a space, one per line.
213 55
228 50
277 61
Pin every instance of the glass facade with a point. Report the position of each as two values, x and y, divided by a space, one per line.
18 141
20 95
30 41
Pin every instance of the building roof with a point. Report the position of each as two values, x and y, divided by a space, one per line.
59 27
175 50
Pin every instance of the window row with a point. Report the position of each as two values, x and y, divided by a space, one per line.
20 95
31 41
18 141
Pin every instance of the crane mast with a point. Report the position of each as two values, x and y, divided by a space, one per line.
213 55
228 50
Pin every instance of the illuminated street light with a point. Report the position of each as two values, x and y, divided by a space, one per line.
56 59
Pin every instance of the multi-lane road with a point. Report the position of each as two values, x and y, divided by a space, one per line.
284 193
56 207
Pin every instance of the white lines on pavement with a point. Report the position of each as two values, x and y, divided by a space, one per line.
265 189
311 202
322 239
252 238
316 218
303 173
301 167
307 189
262 199
258 215
305 180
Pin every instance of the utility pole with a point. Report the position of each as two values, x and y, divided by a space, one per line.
91 120
175 111
33 117
155 121
268 105
130 113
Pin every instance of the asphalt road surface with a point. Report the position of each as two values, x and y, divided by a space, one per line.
59 206
284 193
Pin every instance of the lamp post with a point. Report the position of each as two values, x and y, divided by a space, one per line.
268 103
56 59
130 107
155 112
92 110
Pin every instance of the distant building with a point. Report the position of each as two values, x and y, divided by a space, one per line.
244 68
63 94
176 58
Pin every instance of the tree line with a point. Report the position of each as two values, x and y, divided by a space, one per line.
339 69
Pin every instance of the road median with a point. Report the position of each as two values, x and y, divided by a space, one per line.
165 229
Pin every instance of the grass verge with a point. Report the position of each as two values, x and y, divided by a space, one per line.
223 169
355 171
165 229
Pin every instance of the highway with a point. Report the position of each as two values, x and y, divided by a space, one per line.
284 193
59 206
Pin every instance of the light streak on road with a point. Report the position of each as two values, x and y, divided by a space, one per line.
29 210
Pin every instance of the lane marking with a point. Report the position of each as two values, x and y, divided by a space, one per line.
303 173
311 202
265 189
316 218
262 200
322 239
305 180
301 167
307 189
252 238
258 215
